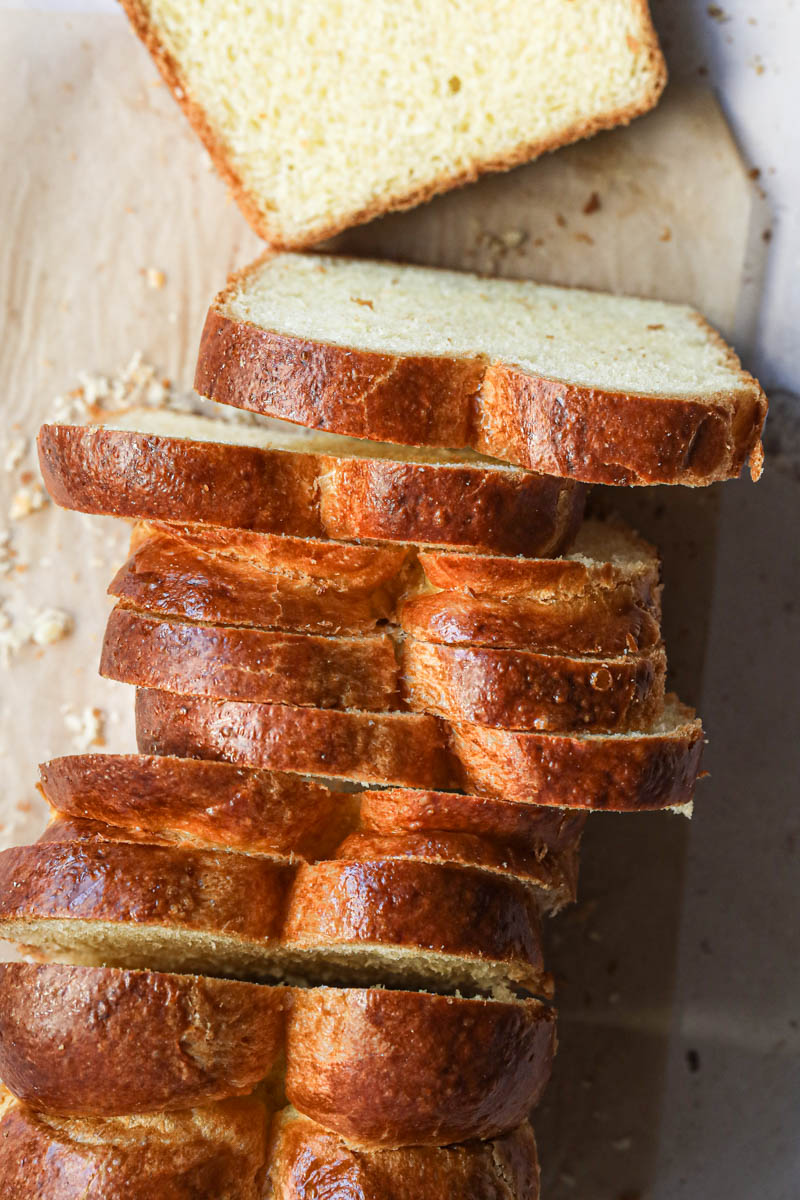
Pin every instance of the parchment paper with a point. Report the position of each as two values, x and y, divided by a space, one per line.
104 187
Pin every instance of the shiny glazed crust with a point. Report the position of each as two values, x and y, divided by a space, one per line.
433 922
309 1163
516 689
407 749
477 1066
127 474
356 1062
218 1152
85 1041
261 665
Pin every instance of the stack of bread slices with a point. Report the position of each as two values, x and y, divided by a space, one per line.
292 947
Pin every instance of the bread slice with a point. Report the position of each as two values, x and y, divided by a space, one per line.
620 772
519 689
165 1041
309 1163
345 112
213 1152
407 1068
601 388
168 466
605 557
654 768
603 623
205 573
179 909
266 666
478 1065
214 804
403 749
163 800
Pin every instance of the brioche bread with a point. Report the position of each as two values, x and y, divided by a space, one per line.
465 1068
172 467
510 689
620 772
220 1152
600 388
517 689
405 749
654 768
309 1163
164 1041
108 797
170 908
407 1068
216 1152
343 112
266 666
216 804
205 573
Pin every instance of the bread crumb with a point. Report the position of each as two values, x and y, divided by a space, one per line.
155 278
51 625
717 14
27 501
592 204
87 727
622 1144
666 234
15 452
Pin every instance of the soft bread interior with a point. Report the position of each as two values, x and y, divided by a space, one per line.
614 343
328 110
160 948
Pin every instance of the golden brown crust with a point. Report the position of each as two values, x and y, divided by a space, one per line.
517 689
551 876
407 749
402 1068
261 812
524 826
268 228
258 919
239 578
264 666
164 800
623 772
309 1163
443 908
606 622
218 1152
128 474
563 429
547 579
83 1041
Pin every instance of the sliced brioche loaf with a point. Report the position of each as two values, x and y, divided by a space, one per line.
354 1058
217 1152
406 749
167 466
238 578
606 389
177 909
343 112
164 1041
266 666
309 1163
518 689
621 772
